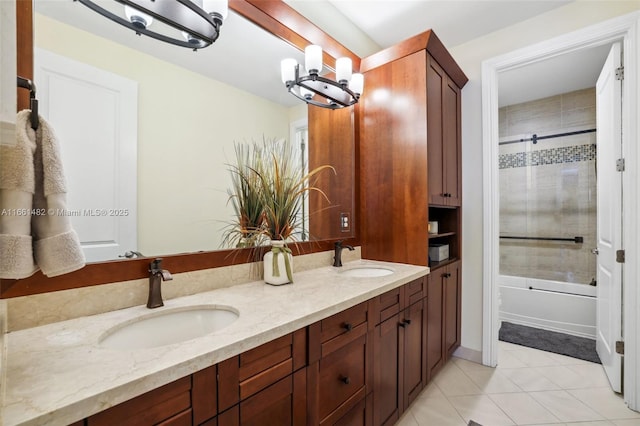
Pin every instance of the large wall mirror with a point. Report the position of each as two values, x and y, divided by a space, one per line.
169 164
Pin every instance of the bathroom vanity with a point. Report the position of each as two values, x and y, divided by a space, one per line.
325 350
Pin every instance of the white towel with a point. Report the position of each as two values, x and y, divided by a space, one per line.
56 247
17 186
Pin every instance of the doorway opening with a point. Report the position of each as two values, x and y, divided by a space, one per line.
548 214
621 30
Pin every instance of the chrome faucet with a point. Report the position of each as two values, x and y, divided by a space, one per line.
156 276
337 256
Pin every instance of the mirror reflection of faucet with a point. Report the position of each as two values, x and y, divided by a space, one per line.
337 256
131 254
156 276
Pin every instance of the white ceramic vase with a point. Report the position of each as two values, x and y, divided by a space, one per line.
278 264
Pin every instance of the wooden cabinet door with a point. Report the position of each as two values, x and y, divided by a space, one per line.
387 352
451 151
436 81
452 304
443 138
414 324
435 356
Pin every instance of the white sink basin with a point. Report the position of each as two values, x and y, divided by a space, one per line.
367 271
168 326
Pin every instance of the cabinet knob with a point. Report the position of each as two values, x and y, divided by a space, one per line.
446 275
407 321
402 324
347 326
345 380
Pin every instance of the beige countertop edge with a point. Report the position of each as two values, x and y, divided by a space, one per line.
57 374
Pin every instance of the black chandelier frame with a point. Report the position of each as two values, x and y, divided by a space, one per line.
205 33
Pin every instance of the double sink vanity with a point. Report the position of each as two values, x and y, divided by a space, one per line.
182 362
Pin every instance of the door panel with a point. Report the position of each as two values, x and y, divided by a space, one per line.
452 143
609 204
452 294
414 335
435 358
94 114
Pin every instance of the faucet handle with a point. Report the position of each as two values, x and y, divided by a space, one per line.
156 265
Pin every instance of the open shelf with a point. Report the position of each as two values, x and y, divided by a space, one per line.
441 235
433 265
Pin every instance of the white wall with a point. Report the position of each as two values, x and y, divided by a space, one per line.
469 56
187 124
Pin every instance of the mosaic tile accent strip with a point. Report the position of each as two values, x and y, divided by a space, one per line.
567 154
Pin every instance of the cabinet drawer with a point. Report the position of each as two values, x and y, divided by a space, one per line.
182 419
342 375
150 408
389 304
415 291
248 373
343 322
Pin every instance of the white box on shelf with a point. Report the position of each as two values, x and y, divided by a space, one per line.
438 252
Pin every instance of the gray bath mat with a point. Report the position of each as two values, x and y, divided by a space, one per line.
550 341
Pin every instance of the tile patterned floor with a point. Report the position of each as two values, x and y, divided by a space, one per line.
529 387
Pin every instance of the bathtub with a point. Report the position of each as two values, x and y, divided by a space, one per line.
548 306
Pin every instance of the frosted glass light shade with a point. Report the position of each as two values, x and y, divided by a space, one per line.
288 69
357 83
343 70
136 17
216 6
313 58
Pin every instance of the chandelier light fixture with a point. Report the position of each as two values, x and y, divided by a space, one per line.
320 91
194 24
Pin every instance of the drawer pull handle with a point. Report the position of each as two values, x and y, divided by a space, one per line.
345 380
347 326
404 323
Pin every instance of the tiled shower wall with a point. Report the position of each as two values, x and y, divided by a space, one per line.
548 189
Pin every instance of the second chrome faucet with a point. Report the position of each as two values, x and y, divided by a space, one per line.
156 276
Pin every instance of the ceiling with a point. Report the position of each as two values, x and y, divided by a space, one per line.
247 57
387 22
377 24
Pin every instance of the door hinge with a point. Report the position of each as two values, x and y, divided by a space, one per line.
620 256
620 165
620 73
620 347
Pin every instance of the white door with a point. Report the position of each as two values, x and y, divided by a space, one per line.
95 116
609 196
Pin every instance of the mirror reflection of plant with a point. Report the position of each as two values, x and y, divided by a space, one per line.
245 197
267 193
283 184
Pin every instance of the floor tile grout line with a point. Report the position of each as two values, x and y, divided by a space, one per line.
483 393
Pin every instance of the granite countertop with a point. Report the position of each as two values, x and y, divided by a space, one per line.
58 373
